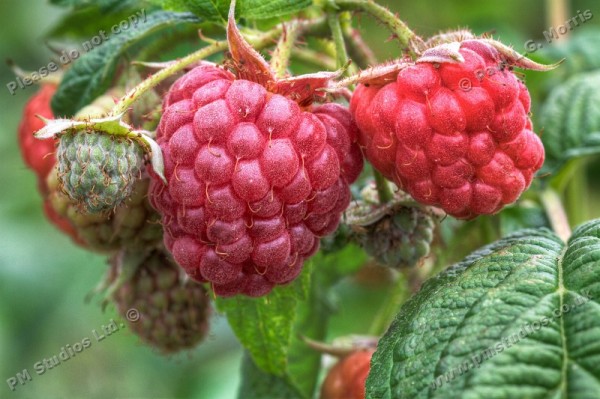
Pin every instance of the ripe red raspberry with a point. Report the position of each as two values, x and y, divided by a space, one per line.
346 380
453 135
37 154
253 179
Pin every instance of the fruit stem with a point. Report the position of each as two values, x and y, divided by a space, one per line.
283 51
392 302
383 188
556 213
408 39
341 54
357 48
261 41
315 58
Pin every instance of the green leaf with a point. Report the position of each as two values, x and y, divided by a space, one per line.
92 74
216 10
270 327
492 326
571 120
314 312
256 384
85 23
264 325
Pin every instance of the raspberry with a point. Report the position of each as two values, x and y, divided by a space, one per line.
37 154
253 180
401 239
346 380
452 135
98 170
161 306
133 225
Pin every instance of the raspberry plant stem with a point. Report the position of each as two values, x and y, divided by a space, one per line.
383 188
341 54
357 48
259 42
314 58
283 51
556 213
401 31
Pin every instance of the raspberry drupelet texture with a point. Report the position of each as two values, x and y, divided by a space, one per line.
453 135
172 313
253 180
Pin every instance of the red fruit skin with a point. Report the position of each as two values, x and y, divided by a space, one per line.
346 380
253 180
38 155
453 135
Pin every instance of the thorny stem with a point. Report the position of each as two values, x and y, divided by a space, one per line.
556 213
283 51
383 188
261 41
408 39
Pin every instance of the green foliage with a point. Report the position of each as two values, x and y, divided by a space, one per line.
532 303
92 74
571 120
264 325
580 53
270 327
256 384
217 10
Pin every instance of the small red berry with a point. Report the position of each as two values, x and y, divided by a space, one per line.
346 380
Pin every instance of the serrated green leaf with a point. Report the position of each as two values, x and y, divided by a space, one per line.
216 10
256 384
492 326
92 73
571 120
264 325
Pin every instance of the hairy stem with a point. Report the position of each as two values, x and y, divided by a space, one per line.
259 42
358 49
408 39
283 51
556 213
341 54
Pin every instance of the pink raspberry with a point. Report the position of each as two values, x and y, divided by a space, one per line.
453 135
253 180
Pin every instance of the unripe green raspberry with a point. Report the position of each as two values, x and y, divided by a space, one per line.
400 239
132 225
164 308
98 170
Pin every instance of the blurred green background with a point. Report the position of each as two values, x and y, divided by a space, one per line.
44 277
